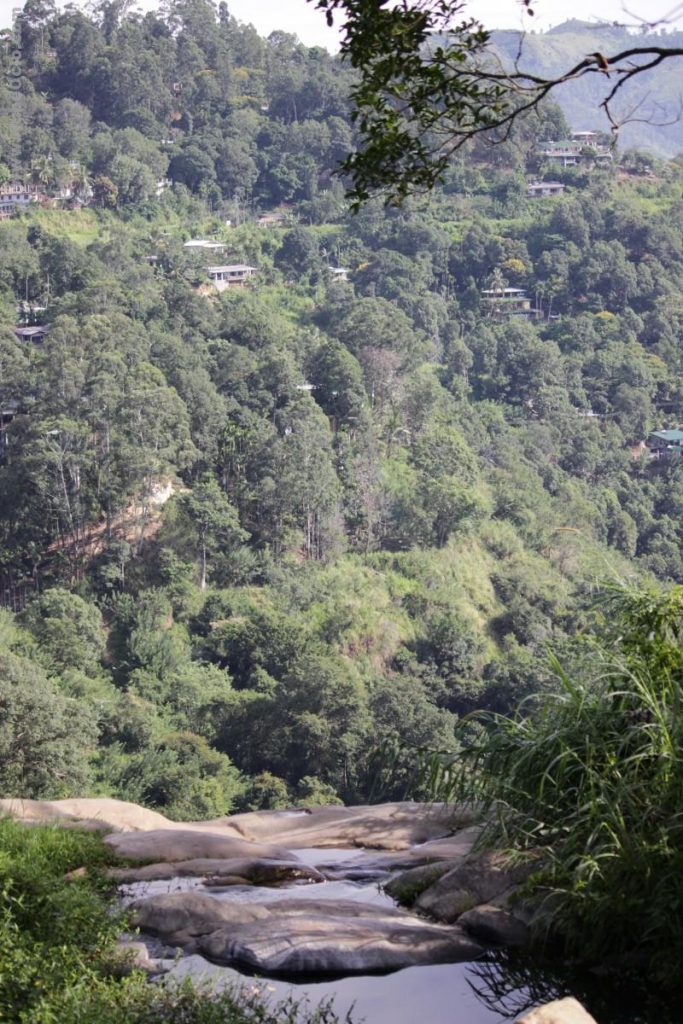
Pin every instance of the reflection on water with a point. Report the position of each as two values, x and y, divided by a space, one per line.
496 990
509 982
440 994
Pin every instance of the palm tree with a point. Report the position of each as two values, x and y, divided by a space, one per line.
82 182
43 170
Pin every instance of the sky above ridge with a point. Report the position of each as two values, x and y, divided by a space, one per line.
308 24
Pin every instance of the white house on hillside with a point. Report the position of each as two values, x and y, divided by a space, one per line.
203 244
230 276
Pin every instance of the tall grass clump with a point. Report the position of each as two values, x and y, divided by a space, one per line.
591 779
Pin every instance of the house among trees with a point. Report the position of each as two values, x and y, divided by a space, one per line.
508 302
15 195
36 333
572 152
203 244
234 275
662 444
536 189
339 273
270 220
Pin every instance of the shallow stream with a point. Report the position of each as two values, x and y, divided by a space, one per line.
499 988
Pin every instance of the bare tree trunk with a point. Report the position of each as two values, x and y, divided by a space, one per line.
202 578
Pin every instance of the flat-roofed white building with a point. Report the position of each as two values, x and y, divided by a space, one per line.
203 244
232 275
536 189
339 273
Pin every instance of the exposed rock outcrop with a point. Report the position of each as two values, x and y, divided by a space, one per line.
491 924
397 826
561 1011
394 826
179 844
134 956
466 892
100 812
191 914
479 879
302 937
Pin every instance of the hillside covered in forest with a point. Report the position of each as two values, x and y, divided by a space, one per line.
286 491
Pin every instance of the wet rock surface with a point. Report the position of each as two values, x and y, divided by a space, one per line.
223 871
334 942
298 936
217 861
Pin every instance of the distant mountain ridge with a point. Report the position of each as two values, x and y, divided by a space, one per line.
653 98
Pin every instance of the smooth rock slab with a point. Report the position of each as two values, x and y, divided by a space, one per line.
301 937
168 845
489 923
408 885
336 945
134 956
395 826
191 913
196 913
101 812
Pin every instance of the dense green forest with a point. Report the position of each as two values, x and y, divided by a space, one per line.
259 546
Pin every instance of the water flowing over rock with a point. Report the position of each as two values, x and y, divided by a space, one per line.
222 871
306 894
345 925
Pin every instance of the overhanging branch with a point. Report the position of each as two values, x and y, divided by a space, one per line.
429 82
